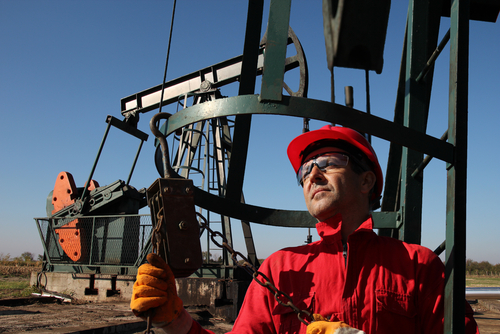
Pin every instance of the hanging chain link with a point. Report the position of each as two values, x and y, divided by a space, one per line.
156 238
155 243
281 297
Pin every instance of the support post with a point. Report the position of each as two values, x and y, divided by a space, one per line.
457 173
415 111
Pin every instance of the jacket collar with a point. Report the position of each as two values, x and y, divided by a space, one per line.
329 230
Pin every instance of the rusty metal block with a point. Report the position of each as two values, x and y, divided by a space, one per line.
177 236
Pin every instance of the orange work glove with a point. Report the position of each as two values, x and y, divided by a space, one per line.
320 325
154 293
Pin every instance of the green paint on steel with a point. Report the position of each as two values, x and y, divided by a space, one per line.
275 53
314 109
415 117
274 217
457 172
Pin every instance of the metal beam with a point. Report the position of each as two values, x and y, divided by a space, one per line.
415 117
220 74
275 217
242 123
457 172
274 61
315 109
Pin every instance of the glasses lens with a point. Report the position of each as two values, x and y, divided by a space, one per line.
324 162
331 160
304 170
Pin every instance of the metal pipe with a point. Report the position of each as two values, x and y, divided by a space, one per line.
482 293
349 96
92 241
368 108
441 248
434 56
135 162
85 190
305 127
427 159
44 245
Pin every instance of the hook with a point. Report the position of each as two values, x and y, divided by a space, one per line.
167 168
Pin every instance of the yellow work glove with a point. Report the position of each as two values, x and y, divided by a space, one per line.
320 325
154 293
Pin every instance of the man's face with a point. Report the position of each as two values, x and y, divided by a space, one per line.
339 190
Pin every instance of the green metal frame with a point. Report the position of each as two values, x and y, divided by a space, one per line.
457 172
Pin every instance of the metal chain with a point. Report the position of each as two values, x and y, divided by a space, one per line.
281 297
155 234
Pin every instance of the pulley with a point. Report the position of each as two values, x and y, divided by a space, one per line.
176 232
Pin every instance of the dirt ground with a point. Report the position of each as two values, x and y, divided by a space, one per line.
109 317
116 317
487 315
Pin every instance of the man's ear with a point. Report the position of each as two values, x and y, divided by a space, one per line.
368 180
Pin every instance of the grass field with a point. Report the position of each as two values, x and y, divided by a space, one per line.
15 281
479 281
10 288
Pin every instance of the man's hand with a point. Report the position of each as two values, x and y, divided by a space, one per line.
154 293
320 325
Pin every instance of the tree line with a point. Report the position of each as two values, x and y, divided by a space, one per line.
26 259
481 268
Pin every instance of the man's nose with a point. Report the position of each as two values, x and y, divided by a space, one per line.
316 173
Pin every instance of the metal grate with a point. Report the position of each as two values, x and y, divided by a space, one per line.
97 240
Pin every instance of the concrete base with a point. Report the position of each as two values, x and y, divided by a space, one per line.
89 287
223 298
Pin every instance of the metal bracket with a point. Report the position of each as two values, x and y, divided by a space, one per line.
177 232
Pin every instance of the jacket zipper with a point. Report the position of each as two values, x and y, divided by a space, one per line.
345 254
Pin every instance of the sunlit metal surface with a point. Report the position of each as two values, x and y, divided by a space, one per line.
482 293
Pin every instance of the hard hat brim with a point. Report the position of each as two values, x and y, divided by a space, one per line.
298 147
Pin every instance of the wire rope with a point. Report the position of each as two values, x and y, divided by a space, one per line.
168 55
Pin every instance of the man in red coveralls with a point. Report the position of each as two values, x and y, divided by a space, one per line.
359 281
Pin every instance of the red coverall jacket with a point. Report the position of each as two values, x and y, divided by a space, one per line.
384 286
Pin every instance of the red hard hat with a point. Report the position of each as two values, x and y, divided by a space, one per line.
297 148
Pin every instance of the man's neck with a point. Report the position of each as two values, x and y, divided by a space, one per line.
350 223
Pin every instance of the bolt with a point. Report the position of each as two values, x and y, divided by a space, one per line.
189 190
187 260
167 190
183 225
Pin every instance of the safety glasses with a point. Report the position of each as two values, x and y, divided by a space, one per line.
325 162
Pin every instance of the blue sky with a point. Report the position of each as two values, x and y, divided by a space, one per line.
65 65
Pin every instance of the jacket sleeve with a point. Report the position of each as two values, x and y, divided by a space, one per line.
432 308
255 316
197 329
470 322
